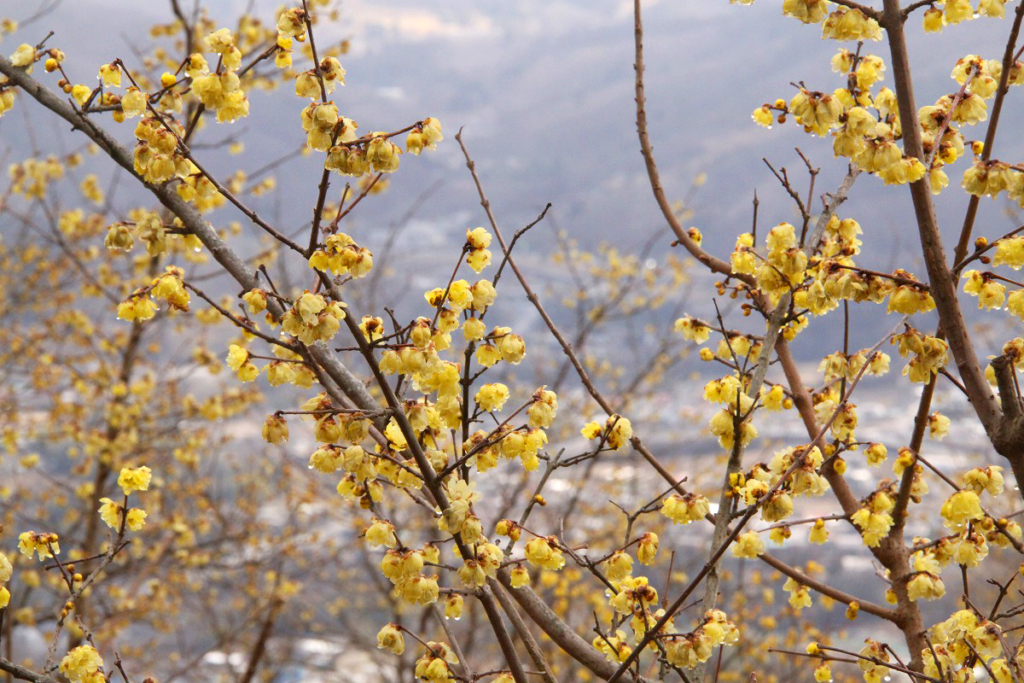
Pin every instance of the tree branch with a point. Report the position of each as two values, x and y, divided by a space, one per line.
943 288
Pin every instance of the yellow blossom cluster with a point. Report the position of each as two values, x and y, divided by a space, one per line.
478 256
545 553
219 90
957 641
697 646
419 437
434 665
404 570
685 509
342 256
312 318
44 545
615 432
83 664
425 135
929 354
873 518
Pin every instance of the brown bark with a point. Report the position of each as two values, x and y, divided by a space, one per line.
1006 435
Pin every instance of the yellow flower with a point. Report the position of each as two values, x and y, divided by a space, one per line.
381 533
763 116
618 566
543 553
275 429
510 348
390 638
799 596
483 295
850 25
6 569
478 259
133 103
6 101
819 533
693 329
1015 303
958 10
984 479
81 663
110 513
332 72
778 507
453 606
280 372
971 110
619 431
1009 251
136 519
492 397
238 360
24 55
960 508
722 426
30 542
874 520
591 430
433 666
938 426
307 85
632 592
647 549
520 576
925 586
256 299
773 399
748 545
472 574
807 11
933 20
474 329
992 8
431 128
383 155
110 74
420 590
136 307
685 509
876 454
134 479
869 71
1000 669
478 238
170 288
780 534
542 412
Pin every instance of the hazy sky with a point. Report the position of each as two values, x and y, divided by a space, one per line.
544 89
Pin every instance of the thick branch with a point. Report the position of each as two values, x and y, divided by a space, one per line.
1008 396
532 647
23 674
993 124
943 288
556 629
